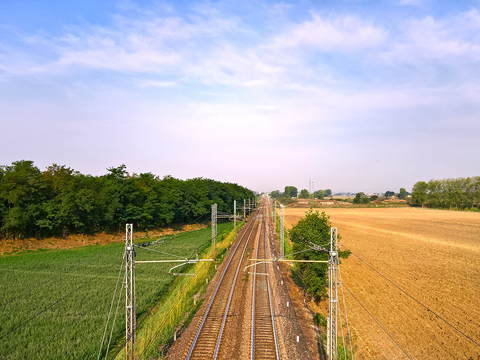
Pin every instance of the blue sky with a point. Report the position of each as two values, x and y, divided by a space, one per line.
354 95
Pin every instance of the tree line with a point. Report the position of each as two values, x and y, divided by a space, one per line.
292 192
362 198
61 201
460 193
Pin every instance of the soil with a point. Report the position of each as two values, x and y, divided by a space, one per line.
434 255
8 246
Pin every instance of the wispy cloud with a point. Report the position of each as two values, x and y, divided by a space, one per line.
340 34
207 77
455 39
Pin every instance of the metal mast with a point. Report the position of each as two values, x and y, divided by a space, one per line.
214 229
275 218
282 232
235 214
130 317
333 296
244 204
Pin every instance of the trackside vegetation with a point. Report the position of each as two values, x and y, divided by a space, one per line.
60 201
313 228
55 303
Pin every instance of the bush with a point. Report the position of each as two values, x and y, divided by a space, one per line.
320 320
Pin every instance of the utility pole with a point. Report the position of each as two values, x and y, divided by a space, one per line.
214 229
275 218
130 318
249 207
235 214
244 204
282 232
332 296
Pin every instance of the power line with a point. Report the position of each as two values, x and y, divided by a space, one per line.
426 307
376 321
161 252
346 315
110 311
114 319
56 302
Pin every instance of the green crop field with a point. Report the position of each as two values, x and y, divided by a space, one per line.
55 303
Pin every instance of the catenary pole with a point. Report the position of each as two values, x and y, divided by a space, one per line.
129 294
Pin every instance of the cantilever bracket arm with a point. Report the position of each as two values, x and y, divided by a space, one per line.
290 260
248 272
184 262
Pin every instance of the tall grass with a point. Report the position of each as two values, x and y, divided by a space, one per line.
64 314
287 244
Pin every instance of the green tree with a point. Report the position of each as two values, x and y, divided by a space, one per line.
420 193
389 194
290 191
328 193
275 194
22 191
320 194
304 194
402 194
313 228
359 198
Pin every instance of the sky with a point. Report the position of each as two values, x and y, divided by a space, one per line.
354 95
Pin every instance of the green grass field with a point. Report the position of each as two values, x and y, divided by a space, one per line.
62 297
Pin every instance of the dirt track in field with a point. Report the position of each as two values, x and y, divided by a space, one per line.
434 256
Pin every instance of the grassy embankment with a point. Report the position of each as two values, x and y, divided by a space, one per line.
287 243
179 307
55 303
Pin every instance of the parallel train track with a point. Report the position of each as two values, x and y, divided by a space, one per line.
264 343
210 341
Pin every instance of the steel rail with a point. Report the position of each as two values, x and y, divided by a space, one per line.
217 287
231 295
270 300
252 350
262 300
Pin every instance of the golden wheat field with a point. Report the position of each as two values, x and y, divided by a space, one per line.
433 255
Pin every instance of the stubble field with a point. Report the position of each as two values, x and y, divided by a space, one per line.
434 256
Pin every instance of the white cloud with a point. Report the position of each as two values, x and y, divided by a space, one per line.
411 2
342 34
454 40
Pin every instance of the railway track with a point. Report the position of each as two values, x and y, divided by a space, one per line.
225 329
208 338
264 342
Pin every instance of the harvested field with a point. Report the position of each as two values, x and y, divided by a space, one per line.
434 256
